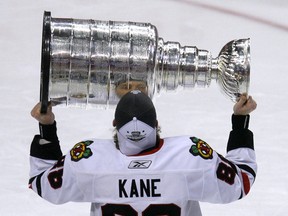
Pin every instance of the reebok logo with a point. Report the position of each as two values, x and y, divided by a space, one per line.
139 164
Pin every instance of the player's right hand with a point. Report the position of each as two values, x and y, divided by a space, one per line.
47 118
244 105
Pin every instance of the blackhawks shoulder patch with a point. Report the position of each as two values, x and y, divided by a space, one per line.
81 150
201 148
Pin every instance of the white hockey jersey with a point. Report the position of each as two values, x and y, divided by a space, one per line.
169 180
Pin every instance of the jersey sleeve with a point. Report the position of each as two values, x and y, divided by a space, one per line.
57 184
51 175
46 160
234 174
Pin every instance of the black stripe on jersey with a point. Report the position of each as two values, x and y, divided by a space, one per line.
38 184
241 196
247 169
31 180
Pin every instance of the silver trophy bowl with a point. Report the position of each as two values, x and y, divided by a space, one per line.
92 63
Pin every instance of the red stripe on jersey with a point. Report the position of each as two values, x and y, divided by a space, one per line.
246 182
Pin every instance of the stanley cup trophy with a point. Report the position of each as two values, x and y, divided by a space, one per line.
91 63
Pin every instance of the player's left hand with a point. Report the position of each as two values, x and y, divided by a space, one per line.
244 105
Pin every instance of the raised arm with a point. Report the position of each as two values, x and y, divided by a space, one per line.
45 149
240 147
236 171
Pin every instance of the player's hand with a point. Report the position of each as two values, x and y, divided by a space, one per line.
44 118
244 105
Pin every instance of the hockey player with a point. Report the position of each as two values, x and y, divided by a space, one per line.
140 173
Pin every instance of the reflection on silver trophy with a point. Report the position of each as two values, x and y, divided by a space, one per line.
91 63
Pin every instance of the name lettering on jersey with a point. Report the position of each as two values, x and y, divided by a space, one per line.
201 148
139 164
129 188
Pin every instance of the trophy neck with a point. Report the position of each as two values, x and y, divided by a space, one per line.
182 66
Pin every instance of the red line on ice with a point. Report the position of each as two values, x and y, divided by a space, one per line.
236 13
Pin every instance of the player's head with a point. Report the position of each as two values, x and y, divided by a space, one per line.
136 123
127 86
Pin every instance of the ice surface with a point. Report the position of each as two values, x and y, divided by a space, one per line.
205 113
